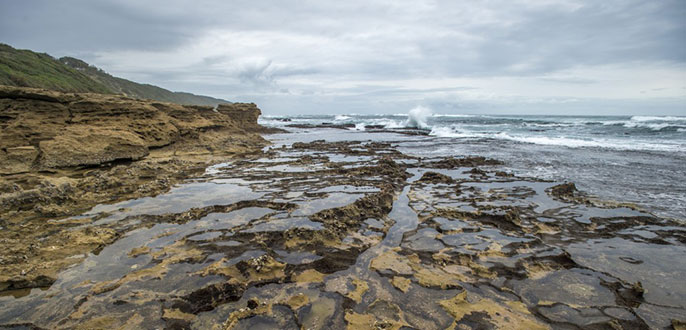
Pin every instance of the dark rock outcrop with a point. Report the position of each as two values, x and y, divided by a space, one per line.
450 163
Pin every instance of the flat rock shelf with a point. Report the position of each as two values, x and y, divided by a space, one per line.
355 234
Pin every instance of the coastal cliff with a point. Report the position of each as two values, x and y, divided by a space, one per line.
44 129
63 153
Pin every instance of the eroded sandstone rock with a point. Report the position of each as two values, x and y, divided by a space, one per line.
63 153
46 129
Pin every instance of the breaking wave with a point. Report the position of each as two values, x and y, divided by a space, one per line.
417 118
657 118
342 118
655 123
631 133
571 142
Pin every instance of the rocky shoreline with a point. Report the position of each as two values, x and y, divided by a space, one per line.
63 153
315 235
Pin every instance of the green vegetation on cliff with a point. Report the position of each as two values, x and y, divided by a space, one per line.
25 68
136 90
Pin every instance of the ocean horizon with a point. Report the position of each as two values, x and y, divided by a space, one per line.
637 159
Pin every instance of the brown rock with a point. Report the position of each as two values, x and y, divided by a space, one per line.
433 177
564 190
83 146
47 129
450 163
58 157
17 159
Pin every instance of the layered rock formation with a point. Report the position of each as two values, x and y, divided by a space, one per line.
45 130
63 153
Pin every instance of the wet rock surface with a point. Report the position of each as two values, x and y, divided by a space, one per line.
357 235
63 153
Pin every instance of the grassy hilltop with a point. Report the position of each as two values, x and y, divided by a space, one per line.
25 68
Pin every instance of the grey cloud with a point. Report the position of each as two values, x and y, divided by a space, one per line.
264 74
87 26
579 81
303 48
544 39
256 73
395 91
536 38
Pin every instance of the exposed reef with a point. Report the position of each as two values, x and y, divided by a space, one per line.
356 235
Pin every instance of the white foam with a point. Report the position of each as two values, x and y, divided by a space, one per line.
555 141
657 118
342 118
455 115
271 122
417 117
614 122
653 123
389 123
550 124
443 131
600 143
386 123
655 127
451 132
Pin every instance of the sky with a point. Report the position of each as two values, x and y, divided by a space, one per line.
314 57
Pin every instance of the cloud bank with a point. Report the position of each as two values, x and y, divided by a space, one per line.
548 56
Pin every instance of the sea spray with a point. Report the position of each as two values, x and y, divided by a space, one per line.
417 117
342 118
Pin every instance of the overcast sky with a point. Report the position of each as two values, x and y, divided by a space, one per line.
510 56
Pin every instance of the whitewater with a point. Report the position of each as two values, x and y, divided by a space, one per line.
647 133
637 159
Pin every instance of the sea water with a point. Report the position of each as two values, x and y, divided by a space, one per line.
637 159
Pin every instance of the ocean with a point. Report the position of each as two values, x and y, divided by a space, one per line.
635 159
